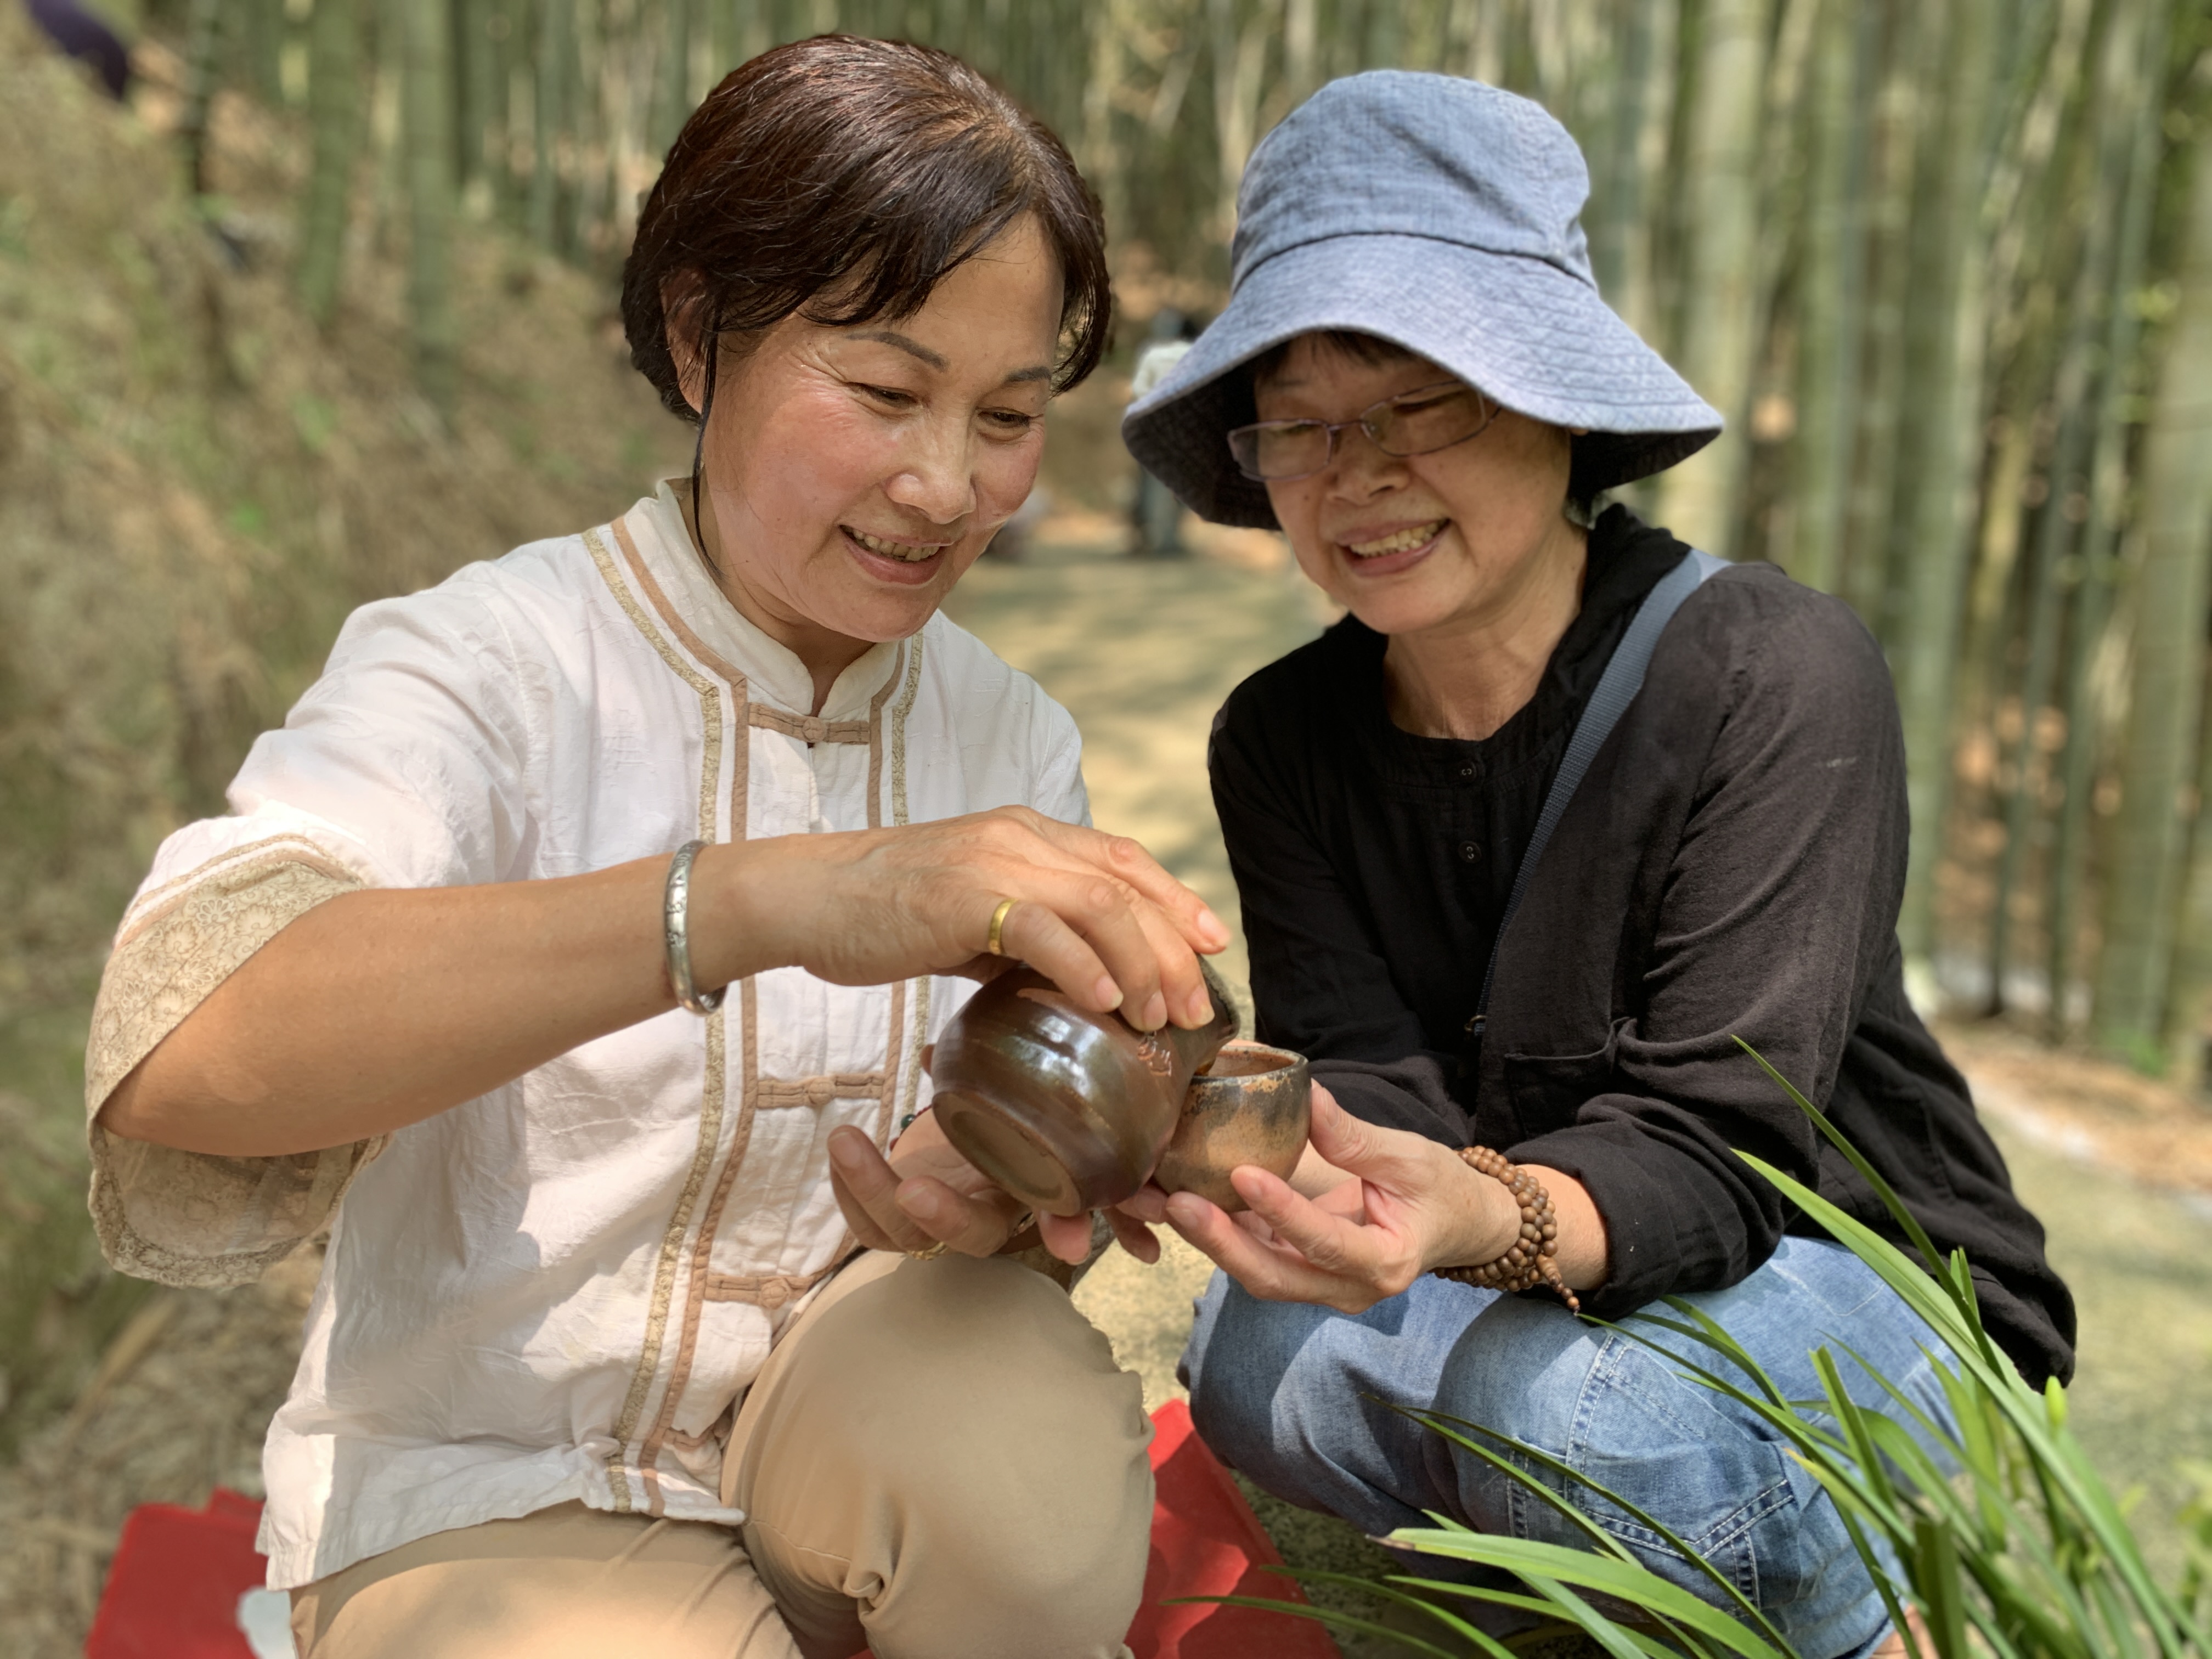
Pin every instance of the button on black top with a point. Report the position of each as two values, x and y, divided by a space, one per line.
1470 852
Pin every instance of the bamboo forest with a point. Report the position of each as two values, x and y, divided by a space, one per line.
306 303
1940 266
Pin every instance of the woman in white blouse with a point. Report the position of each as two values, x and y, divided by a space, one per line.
578 1377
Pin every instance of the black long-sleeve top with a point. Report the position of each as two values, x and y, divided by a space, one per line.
1732 865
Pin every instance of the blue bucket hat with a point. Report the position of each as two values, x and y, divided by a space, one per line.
1440 215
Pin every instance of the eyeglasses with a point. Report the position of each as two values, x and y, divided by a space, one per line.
1416 422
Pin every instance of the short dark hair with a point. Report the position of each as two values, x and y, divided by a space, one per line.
1590 453
844 179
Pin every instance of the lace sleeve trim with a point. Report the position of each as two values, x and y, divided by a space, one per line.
193 1219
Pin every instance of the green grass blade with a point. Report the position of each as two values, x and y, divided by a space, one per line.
1544 1608
1783 1419
2077 1496
1935 1303
1630 1582
1437 1421
1615 1638
1871 1175
1748 1609
1705 1328
1942 1598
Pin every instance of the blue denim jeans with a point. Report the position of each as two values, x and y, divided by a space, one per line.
1300 1399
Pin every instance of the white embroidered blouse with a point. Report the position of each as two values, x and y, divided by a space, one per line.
558 1290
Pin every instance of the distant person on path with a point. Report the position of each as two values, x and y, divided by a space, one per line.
1416 380
572 951
1155 515
79 34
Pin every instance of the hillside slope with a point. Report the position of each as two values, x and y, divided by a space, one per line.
196 487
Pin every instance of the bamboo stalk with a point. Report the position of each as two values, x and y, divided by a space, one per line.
1829 292
427 94
2045 590
1937 443
1616 243
2158 752
2093 603
334 48
556 21
1699 498
203 40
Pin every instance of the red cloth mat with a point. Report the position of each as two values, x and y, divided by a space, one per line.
1207 1541
172 1592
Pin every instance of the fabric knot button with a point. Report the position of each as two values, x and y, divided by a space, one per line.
1470 852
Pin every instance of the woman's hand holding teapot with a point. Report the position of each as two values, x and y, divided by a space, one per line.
1092 912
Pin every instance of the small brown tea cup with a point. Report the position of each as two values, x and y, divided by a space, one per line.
1252 1105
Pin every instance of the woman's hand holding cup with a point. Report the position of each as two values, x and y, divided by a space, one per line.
1405 1204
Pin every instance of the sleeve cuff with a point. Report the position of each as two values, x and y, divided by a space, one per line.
193 1219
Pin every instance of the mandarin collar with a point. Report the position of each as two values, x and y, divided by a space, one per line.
774 673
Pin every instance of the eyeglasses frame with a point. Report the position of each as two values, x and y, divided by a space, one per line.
1360 419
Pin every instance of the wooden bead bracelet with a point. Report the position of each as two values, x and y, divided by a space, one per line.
1528 1260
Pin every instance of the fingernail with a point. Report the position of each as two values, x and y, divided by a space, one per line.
921 1206
1186 1211
845 1154
1201 1008
1107 993
1156 1012
1212 924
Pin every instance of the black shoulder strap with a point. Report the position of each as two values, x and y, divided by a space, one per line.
1616 689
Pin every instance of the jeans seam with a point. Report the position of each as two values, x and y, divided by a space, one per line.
1724 1534
1598 1380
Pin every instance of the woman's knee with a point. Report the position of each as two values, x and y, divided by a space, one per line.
972 1390
1520 1371
1244 1355
1642 1440
988 1364
951 1452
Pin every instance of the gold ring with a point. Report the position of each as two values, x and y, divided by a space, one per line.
932 1253
996 944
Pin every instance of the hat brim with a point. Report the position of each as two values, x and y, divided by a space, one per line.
1538 340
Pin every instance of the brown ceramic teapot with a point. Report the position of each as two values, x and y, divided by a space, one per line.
1067 1109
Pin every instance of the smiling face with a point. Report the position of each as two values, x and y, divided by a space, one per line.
853 474
1421 543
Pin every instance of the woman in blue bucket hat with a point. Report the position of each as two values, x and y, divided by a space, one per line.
1558 811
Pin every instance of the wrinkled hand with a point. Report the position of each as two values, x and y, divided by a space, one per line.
1410 1206
1094 913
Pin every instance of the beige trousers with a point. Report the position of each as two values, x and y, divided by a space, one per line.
940 1460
